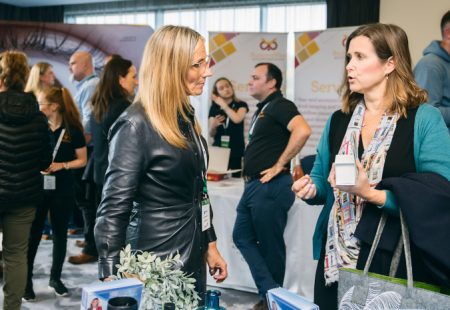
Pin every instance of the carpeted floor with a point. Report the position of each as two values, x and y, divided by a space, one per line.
75 277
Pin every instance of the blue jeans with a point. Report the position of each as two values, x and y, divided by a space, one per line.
258 231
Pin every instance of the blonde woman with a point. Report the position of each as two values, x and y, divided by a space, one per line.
157 164
41 77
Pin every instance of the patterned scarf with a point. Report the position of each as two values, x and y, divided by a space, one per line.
342 247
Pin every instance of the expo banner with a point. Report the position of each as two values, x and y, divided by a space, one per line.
55 43
234 55
319 69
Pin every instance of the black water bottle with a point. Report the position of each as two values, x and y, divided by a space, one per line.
122 303
169 306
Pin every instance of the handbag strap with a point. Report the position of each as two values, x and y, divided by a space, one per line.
396 258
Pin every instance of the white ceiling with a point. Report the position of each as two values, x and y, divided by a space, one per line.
28 3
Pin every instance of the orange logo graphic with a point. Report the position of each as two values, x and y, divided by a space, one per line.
266 45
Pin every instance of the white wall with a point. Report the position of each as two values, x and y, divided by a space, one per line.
419 18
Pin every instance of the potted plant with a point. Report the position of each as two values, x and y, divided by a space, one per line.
163 280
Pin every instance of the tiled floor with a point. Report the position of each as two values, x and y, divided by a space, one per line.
75 277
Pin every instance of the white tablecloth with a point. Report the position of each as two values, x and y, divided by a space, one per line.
300 267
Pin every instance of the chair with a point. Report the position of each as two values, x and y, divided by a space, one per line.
307 163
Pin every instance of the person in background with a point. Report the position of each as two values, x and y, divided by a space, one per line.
226 122
277 133
384 123
155 193
432 72
69 153
81 67
110 57
41 77
25 151
112 96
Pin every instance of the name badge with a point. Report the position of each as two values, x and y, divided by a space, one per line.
206 219
49 182
225 141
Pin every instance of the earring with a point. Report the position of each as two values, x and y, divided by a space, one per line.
387 76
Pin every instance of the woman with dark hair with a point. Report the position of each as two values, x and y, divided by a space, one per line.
69 152
25 150
112 96
226 121
385 125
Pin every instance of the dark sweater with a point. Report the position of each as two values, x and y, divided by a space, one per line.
24 149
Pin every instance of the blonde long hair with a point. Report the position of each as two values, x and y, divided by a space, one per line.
34 84
163 88
402 90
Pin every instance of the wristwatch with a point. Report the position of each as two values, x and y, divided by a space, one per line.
66 165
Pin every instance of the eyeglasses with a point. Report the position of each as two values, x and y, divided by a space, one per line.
202 64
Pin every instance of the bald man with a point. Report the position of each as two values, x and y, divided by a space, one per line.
81 67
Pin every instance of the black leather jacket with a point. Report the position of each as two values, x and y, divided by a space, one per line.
151 196
24 149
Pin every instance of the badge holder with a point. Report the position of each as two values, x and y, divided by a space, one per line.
206 207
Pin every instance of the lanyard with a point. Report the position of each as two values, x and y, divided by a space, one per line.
55 150
201 148
227 121
254 120
225 126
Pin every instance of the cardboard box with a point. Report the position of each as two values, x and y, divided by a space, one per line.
282 299
101 292
346 171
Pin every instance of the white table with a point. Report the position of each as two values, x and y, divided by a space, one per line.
300 267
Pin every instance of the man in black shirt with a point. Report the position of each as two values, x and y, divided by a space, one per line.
277 133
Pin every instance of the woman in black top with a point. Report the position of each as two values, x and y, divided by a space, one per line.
116 86
69 152
226 121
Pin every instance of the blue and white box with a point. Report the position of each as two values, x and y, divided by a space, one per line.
282 299
98 294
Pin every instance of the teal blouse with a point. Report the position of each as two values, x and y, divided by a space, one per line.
431 154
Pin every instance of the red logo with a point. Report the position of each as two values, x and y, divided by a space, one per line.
266 45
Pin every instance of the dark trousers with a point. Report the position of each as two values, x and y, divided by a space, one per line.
15 222
60 207
85 197
326 297
258 231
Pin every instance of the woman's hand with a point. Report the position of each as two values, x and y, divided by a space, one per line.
53 168
361 188
217 265
218 120
220 102
304 188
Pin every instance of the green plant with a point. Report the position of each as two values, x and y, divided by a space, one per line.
163 280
